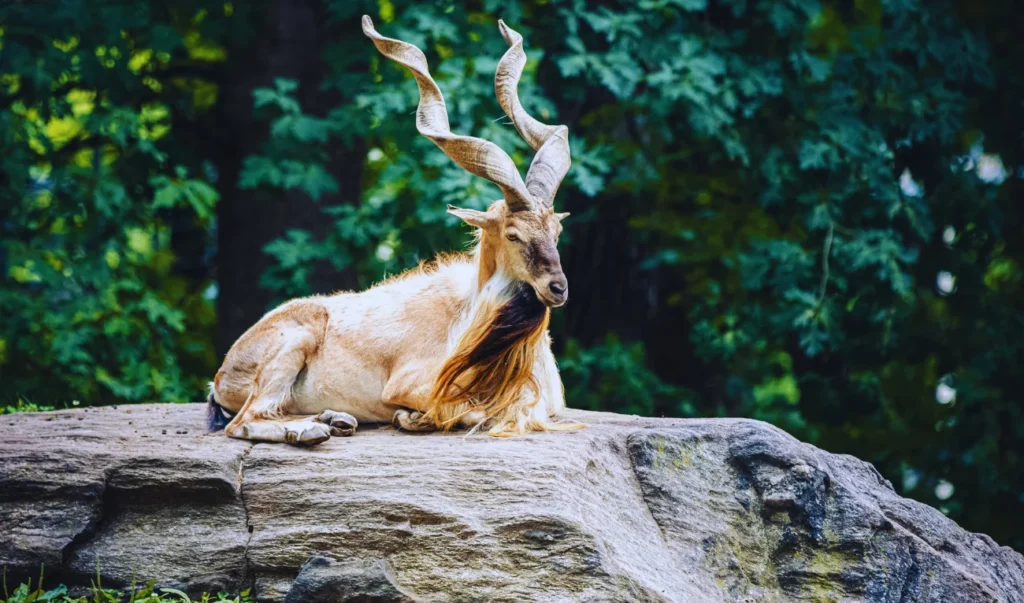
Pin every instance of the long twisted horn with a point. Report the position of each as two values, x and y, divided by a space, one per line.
552 160
475 155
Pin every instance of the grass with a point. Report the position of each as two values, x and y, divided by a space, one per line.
24 406
148 593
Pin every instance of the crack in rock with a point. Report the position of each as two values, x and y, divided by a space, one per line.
101 514
250 575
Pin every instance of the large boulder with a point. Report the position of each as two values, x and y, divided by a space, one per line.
628 509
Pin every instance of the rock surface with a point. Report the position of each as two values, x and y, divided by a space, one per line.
628 509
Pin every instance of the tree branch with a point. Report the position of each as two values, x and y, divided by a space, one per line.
826 252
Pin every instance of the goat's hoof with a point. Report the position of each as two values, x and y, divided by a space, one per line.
341 423
307 434
240 432
410 421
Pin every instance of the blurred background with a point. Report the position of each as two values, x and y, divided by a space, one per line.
805 212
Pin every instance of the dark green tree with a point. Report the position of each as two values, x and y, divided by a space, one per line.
100 104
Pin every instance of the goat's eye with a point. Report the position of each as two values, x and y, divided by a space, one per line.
511 236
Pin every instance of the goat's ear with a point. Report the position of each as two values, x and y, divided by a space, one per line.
562 216
480 219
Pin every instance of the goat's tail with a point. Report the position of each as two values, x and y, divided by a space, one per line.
217 417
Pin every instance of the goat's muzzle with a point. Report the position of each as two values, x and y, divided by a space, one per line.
555 292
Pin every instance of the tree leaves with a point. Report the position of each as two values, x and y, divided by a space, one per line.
287 174
279 96
95 311
183 191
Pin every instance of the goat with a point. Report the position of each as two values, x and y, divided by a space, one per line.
461 342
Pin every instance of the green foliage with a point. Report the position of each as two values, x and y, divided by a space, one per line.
145 594
25 406
92 175
290 164
614 377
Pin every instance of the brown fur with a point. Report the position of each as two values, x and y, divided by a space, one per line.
492 364
239 377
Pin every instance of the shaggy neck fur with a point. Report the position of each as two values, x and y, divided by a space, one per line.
491 365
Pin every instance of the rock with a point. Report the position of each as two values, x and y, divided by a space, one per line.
325 580
628 509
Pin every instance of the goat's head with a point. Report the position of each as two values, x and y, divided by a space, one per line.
524 247
522 229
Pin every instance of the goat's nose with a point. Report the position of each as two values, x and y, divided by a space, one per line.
558 287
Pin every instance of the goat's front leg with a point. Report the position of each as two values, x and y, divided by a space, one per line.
409 390
341 423
300 432
414 420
